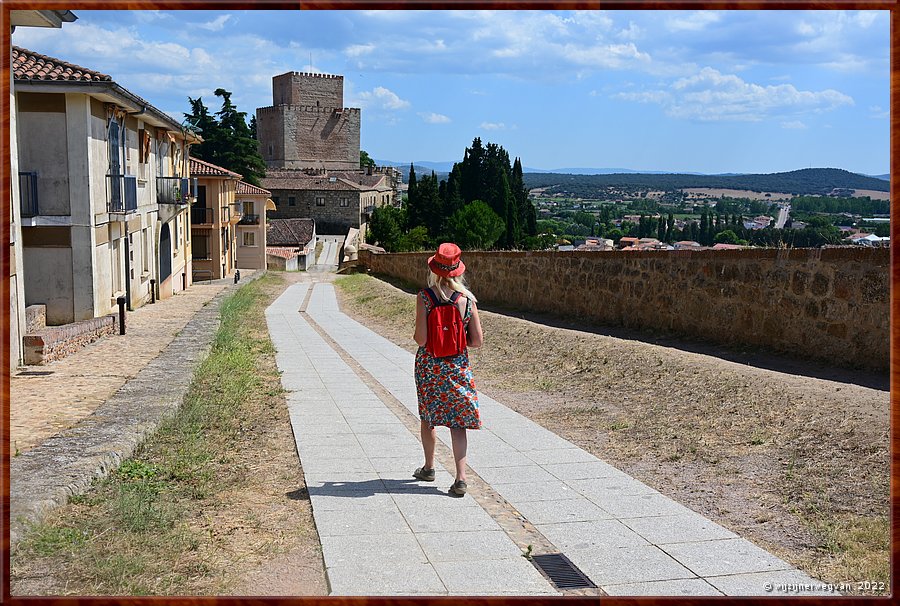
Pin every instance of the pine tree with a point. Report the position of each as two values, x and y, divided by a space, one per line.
239 151
413 206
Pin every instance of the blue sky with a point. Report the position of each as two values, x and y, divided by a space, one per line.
707 91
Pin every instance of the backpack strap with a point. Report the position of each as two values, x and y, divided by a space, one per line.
455 297
432 297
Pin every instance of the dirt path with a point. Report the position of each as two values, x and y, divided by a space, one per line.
794 462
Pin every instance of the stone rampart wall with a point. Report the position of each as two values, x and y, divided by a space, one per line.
827 304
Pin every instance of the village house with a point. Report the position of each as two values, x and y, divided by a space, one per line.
102 191
336 200
253 203
17 322
214 217
291 244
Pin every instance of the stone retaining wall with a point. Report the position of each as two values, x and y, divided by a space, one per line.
828 304
35 318
56 342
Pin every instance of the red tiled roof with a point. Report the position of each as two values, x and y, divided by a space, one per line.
309 182
295 233
247 189
200 168
28 65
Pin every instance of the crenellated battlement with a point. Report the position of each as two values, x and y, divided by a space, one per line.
315 75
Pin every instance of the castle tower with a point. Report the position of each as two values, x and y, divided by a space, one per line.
308 126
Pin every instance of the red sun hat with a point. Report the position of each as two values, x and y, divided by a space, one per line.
445 262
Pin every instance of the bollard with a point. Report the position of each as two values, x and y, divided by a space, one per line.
237 275
121 302
152 290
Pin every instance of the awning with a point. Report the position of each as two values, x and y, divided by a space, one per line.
270 205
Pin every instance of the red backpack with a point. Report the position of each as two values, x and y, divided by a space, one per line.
446 330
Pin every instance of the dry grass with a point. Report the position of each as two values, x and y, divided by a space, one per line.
797 464
213 495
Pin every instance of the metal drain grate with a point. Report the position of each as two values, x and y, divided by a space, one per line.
35 373
561 571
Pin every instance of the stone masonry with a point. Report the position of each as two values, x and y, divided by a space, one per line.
829 304
308 126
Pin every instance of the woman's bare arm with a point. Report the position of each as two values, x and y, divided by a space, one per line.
474 337
421 334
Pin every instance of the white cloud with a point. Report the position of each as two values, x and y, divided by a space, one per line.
216 25
433 118
794 125
493 125
693 22
712 96
381 98
878 113
358 50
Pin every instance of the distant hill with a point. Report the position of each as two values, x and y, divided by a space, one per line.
807 181
886 177
597 171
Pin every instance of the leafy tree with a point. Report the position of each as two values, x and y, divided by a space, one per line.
386 227
727 237
227 140
416 239
364 160
475 226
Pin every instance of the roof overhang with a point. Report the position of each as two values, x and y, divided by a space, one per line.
41 18
110 92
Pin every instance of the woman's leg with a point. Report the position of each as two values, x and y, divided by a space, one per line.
428 440
460 443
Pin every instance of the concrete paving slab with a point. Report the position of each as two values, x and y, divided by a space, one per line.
349 499
360 522
382 578
726 556
492 577
367 550
560 455
781 583
597 535
552 490
628 565
467 545
584 470
683 587
450 520
570 510
611 488
638 505
524 474
685 528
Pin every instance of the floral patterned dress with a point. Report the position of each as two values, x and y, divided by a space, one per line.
445 386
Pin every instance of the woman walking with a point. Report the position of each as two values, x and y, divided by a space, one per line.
446 325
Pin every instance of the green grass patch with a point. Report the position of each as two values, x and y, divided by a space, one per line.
133 534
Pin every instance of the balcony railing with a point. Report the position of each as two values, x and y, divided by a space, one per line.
249 220
28 194
201 215
121 193
172 190
369 209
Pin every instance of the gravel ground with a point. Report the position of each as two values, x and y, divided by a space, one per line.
789 454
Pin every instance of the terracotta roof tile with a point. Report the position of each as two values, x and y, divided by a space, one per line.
309 182
28 65
247 189
200 168
295 233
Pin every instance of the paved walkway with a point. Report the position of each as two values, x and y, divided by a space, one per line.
384 532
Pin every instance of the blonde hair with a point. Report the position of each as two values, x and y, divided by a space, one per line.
442 284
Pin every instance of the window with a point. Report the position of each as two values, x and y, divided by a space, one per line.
320 200
249 238
201 248
345 201
275 200
292 201
145 251
248 208
131 255
176 238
